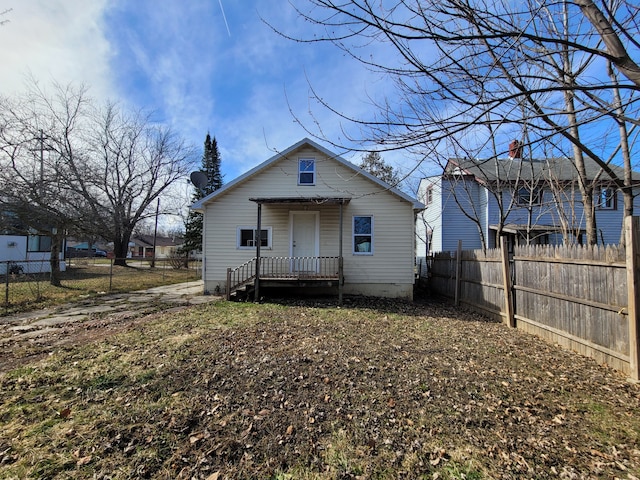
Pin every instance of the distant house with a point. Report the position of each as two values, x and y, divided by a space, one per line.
308 218
142 246
540 198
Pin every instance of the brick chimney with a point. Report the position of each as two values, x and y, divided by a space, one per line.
515 149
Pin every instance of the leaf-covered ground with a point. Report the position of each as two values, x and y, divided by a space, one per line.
307 389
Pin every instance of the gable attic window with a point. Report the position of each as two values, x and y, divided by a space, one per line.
247 236
606 198
306 171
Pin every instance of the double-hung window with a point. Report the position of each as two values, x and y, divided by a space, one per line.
428 196
606 198
363 235
529 196
306 171
247 237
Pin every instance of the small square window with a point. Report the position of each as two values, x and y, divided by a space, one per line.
363 235
306 171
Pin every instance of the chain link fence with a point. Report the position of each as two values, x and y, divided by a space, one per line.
27 284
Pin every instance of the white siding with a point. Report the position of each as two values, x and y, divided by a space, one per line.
13 248
393 258
431 217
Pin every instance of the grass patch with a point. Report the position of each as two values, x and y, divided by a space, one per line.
28 292
308 391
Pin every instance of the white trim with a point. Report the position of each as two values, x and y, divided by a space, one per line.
200 204
316 213
602 198
353 236
239 229
313 172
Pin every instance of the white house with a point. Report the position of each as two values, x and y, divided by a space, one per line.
529 201
322 222
27 254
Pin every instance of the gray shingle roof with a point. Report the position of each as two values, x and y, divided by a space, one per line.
558 169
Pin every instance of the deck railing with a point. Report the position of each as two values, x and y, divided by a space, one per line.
285 268
240 275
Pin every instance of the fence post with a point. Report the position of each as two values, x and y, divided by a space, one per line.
111 273
228 293
506 282
632 237
6 286
458 273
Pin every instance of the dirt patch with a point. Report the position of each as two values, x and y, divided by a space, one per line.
21 350
372 389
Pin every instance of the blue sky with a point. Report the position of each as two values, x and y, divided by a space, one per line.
196 68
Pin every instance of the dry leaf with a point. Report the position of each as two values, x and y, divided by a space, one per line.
65 413
84 460
214 476
247 431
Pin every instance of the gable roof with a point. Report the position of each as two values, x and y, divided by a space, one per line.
510 169
147 241
199 205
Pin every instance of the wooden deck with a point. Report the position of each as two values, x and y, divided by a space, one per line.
285 272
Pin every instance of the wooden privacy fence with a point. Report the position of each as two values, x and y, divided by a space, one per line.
583 298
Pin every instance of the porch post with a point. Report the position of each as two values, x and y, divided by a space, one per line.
340 264
256 292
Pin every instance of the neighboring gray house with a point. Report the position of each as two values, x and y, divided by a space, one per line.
322 221
540 198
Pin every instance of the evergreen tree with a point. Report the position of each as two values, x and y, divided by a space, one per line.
373 163
210 166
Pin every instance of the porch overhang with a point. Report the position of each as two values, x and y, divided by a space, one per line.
302 200
523 228
315 201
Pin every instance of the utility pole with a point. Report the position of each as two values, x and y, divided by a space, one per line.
155 235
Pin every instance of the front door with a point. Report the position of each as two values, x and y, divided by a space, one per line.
304 241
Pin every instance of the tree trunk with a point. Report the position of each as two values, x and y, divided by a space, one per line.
611 39
627 191
121 249
54 260
584 184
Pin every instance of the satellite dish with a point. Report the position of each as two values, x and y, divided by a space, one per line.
200 180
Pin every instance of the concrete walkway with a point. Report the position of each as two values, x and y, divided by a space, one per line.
38 323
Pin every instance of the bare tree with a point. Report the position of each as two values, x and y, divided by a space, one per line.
466 63
103 168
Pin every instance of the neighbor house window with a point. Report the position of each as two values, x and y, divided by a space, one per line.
248 236
606 198
529 196
428 196
306 171
363 235
38 243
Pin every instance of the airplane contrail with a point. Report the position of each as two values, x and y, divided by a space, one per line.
224 17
